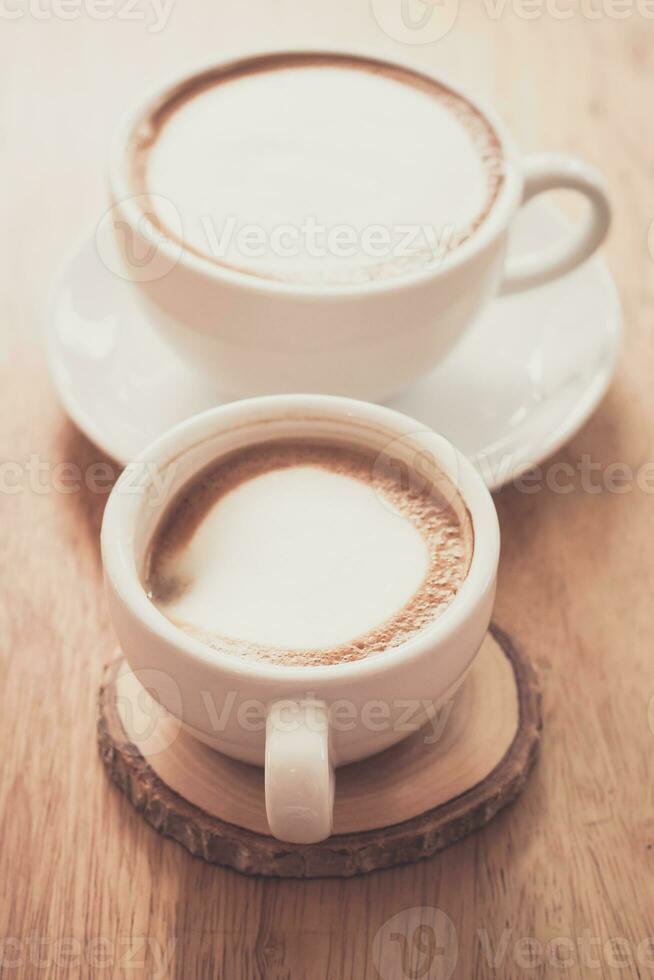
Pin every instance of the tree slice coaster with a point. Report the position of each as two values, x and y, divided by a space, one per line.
439 784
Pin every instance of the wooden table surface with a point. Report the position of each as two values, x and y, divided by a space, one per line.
560 884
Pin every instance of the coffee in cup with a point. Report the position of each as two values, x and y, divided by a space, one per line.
318 167
309 552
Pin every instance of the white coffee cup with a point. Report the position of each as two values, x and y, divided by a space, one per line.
299 741
366 340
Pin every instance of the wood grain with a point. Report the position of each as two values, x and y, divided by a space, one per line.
87 889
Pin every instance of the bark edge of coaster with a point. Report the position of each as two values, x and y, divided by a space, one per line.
410 774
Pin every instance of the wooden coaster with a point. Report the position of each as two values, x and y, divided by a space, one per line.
412 800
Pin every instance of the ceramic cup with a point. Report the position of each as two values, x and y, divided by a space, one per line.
299 741
368 340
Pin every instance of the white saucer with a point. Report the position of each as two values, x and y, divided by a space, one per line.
526 376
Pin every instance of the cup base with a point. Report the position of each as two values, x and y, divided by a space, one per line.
439 784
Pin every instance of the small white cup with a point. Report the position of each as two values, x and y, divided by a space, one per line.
368 340
300 740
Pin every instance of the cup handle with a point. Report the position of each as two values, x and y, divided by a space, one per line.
299 771
554 171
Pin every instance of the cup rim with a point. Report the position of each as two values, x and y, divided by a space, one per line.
124 196
120 522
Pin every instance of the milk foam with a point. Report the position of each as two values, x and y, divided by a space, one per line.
331 145
298 558
305 554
